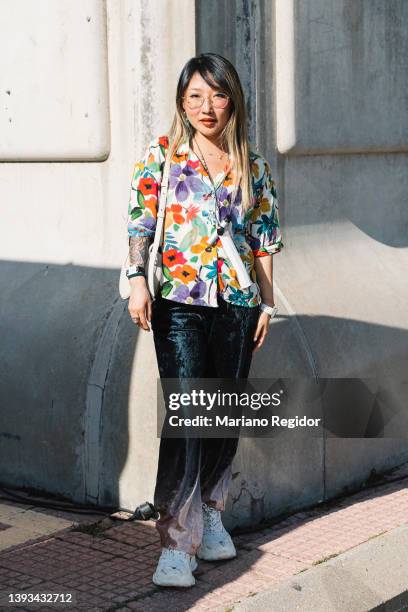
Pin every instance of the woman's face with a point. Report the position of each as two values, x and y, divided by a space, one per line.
207 119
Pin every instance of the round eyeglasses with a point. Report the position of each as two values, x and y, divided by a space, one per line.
218 100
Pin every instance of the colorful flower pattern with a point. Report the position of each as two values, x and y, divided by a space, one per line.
194 273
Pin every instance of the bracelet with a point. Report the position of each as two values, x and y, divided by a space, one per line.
136 274
132 270
271 310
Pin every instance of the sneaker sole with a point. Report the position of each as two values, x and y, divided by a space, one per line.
219 558
169 583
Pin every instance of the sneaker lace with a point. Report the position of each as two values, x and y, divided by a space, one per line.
173 555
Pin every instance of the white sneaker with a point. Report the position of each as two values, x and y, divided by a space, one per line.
175 568
216 543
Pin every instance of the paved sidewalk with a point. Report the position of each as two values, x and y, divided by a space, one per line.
107 565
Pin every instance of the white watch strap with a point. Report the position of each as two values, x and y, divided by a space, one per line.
271 310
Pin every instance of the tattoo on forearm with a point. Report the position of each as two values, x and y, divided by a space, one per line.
138 250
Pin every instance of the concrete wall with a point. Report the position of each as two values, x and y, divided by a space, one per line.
326 92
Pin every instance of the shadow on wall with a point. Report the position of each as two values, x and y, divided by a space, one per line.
67 354
360 191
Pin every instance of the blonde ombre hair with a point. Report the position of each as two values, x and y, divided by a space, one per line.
219 72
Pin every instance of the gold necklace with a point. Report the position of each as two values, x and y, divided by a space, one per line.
217 156
204 163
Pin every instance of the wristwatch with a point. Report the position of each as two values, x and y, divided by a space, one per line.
271 310
135 271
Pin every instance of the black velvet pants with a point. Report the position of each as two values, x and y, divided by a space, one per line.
197 342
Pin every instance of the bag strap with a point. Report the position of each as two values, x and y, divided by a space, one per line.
161 210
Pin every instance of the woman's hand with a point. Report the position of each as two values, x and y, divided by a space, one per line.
264 275
261 330
140 302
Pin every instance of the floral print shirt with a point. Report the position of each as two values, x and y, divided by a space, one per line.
192 272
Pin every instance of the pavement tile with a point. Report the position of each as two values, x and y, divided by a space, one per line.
137 605
254 563
134 533
178 599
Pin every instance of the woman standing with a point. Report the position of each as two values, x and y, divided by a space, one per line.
204 322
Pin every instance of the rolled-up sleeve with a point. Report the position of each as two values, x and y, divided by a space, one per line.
144 191
264 227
